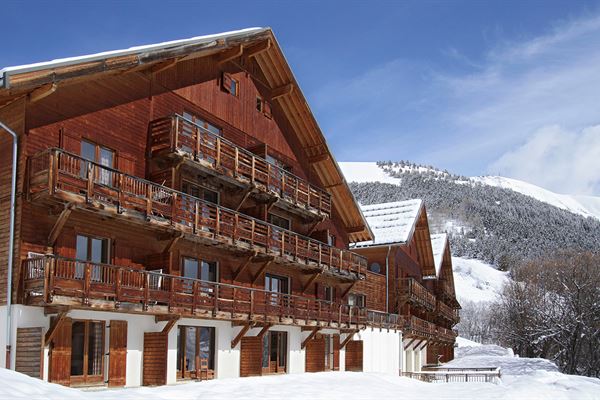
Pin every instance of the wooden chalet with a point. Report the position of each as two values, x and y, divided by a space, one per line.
415 269
179 215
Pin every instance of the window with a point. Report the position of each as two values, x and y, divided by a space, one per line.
195 351
199 269
200 192
263 106
330 239
259 104
375 267
357 300
91 249
329 293
280 221
278 285
87 351
229 84
100 155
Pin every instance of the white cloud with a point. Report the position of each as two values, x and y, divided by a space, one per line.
560 160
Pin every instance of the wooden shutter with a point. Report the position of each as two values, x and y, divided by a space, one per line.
29 351
226 82
60 355
251 356
336 352
117 355
315 354
154 370
354 355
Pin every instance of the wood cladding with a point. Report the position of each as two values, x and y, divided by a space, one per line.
29 351
60 354
117 356
354 355
251 356
154 369
315 355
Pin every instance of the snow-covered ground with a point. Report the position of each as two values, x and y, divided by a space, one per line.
522 378
588 206
477 281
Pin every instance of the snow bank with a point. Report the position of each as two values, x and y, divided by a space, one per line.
477 281
462 342
366 172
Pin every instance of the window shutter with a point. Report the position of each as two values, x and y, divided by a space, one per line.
60 356
226 82
267 109
117 362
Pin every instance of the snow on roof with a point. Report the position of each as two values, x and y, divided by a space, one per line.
391 222
438 245
123 52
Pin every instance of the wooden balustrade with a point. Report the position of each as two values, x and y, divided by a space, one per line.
412 291
73 179
445 334
445 311
58 280
413 326
176 134
492 375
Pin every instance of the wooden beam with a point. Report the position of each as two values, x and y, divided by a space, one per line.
318 158
41 92
347 339
240 335
409 343
260 271
310 336
310 281
312 229
58 321
348 290
229 54
172 243
423 346
281 91
59 224
162 66
170 324
264 330
242 267
355 229
258 48
244 198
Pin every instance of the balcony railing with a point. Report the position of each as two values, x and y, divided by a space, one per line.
176 134
445 335
413 326
70 178
447 312
58 280
412 291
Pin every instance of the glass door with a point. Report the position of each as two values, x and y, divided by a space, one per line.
328 352
91 249
87 352
278 286
274 353
195 352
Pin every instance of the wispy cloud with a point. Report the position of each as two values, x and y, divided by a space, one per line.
480 119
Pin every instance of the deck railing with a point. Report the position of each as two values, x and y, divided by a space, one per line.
176 134
459 375
414 326
412 291
443 289
445 334
55 172
47 277
447 312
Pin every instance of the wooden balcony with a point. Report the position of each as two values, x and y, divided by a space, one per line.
57 281
411 291
176 136
444 291
446 312
445 335
58 176
417 327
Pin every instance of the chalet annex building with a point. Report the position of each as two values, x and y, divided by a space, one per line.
179 215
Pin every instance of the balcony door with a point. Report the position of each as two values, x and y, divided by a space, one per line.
206 271
278 286
94 250
274 354
87 352
208 135
101 155
195 352
204 209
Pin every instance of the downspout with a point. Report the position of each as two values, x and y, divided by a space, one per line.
11 244
387 280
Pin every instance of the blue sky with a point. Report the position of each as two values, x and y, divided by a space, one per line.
476 87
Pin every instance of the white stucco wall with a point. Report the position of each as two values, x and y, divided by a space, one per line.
414 357
381 350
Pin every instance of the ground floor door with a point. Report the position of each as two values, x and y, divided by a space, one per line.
87 352
354 355
274 353
195 352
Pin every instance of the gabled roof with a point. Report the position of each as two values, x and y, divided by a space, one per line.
439 244
391 222
258 44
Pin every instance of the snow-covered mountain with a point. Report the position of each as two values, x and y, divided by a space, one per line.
587 206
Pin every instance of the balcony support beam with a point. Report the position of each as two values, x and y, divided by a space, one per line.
310 282
173 242
348 338
60 318
264 330
425 342
59 224
245 328
407 346
261 271
244 265
247 194
348 289
170 324
310 336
